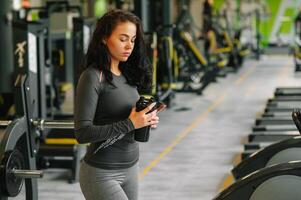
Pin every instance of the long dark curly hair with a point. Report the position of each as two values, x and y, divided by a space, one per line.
137 69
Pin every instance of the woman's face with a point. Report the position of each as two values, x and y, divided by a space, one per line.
121 41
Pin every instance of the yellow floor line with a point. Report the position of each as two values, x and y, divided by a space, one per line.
181 136
190 127
227 182
244 76
236 159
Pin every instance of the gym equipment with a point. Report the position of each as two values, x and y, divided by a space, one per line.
195 72
297 48
275 127
278 111
58 51
233 47
283 104
213 49
296 115
265 136
251 31
275 114
18 145
18 154
17 138
283 151
277 182
270 154
273 120
284 98
271 129
59 148
160 50
276 117
17 161
161 54
32 34
273 172
82 32
166 72
288 91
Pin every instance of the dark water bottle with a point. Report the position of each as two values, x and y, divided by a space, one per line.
142 134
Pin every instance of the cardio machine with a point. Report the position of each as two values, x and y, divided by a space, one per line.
272 173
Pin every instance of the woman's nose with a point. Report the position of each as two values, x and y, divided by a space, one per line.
129 45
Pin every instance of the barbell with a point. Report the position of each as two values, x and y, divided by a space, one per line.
12 167
42 124
12 173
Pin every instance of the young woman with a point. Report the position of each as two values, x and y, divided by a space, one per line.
116 68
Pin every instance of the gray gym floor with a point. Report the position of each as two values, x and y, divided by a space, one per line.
192 151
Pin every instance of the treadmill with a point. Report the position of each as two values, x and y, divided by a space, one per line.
288 91
278 182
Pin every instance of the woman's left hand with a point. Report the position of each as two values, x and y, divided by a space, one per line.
156 121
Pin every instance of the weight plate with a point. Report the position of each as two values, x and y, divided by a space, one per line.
10 184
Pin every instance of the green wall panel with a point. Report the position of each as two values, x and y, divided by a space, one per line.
266 25
286 25
218 4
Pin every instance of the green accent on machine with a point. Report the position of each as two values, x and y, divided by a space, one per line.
287 21
100 8
267 23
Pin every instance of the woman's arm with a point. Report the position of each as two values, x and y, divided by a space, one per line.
86 100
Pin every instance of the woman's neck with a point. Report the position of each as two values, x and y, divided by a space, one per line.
115 69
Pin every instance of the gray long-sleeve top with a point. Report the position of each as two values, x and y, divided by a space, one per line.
101 115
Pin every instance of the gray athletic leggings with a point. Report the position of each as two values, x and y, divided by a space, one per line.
103 184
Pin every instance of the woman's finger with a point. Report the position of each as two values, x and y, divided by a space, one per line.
154 126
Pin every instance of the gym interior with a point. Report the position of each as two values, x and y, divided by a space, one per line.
228 72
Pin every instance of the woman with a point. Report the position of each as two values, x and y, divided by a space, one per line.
105 116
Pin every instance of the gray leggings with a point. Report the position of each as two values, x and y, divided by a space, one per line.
103 184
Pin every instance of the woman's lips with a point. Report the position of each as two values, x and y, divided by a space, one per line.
126 54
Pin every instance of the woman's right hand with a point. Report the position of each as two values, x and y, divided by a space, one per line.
141 119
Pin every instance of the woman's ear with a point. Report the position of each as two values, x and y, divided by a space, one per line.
104 41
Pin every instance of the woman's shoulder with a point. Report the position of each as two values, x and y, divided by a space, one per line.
91 77
91 70
91 73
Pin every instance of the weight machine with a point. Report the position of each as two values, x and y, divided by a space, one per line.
19 137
